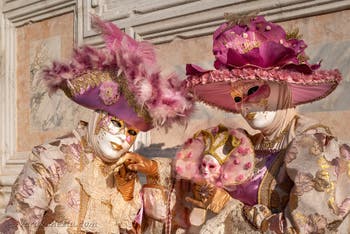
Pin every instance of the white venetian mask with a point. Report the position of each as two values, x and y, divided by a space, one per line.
113 137
259 120
210 168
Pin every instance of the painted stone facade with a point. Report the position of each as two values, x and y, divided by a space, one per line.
51 32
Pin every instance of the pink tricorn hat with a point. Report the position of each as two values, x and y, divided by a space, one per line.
255 49
122 79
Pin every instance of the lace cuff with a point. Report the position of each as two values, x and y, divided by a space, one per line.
163 176
125 212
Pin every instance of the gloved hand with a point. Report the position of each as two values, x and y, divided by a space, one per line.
138 163
125 182
207 196
257 215
262 219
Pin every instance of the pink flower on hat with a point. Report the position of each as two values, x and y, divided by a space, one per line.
258 43
109 92
254 49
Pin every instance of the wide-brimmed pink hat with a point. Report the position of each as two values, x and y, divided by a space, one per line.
122 79
253 50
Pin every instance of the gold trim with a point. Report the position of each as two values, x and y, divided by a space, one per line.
213 146
89 80
265 191
130 98
86 81
212 142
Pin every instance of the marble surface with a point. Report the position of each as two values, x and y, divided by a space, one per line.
47 112
40 117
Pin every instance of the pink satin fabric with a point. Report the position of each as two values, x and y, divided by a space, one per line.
248 191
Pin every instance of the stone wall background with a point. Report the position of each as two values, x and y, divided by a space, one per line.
35 31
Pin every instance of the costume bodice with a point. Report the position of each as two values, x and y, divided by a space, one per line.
64 188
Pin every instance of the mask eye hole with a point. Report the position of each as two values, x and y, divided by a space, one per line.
237 99
252 90
132 132
116 123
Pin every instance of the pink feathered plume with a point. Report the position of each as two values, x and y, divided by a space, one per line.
84 58
164 98
114 37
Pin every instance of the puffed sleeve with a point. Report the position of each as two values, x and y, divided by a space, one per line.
320 198
30 197
158 197
157 190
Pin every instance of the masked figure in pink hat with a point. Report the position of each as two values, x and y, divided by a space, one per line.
75 183
301 181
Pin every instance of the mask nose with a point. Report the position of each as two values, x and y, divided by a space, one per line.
204 167
122 136
128 139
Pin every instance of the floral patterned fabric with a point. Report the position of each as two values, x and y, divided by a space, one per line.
64 188
306 189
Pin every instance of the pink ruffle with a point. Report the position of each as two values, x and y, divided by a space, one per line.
277 75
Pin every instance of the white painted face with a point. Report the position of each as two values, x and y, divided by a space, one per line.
259 120
113 137
210 168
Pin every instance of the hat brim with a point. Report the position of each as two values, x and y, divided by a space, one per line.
120 109
213 87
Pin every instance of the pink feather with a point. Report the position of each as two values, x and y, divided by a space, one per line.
165 98
112 35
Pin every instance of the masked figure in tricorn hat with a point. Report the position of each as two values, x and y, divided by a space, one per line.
74 184
301 181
